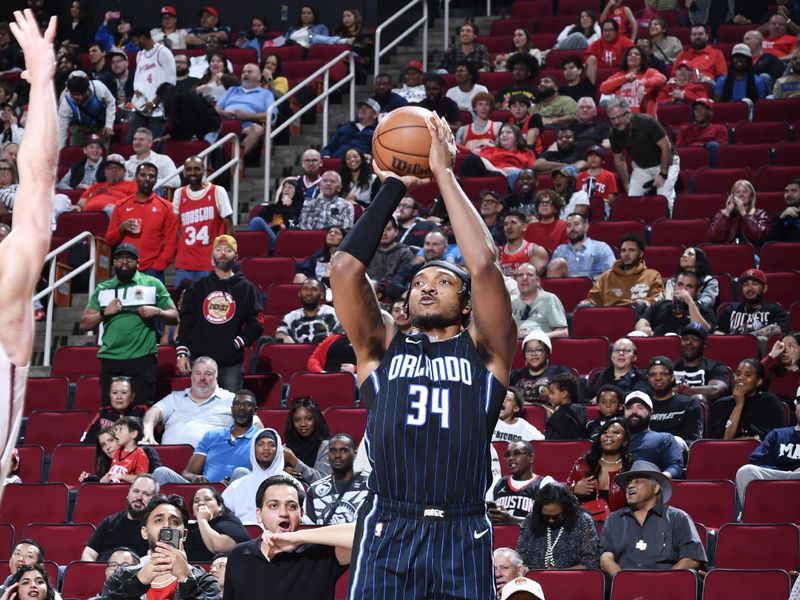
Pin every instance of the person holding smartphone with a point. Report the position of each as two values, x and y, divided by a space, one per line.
165 573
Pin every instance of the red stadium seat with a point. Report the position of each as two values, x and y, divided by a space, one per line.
773 179
760 133
674 114
268 388
505 536
784 109
583 354
282 298
327 52
328 389
748 546
530 8
50 428
611 322
46 393
697 206
175 456
554 25
265 272
274 417
284 359
287 53
83 580
729 113
575 584
25 503
648 347
663 259
62 542
692 157
73 223
712 503
733 259
570 290
347 420
732 34
787 154
300 69
555 458
69 461
536 415
718 459
73 362
6 540
180 150
610 232
298 243
768 501
495 44
188 490
506 27
710 181
723 584
95 501
88 395
660 585
752 156
642 208
31 460
794 316
782 287
271 323
251 244
731 349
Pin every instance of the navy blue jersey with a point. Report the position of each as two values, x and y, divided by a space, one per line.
432 407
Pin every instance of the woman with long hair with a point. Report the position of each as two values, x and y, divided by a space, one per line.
739 220
105 446
509 155
581 34
318 265
558 533
217 78
694 259
272 75
282 214
214 528
302 32
782 368
741 81
31 581
749 412
592 477
77 29
359 183
548 230
306 449
636 82
520 44
665 46
256 37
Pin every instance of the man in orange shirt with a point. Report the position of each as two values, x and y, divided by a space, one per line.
607 51
147 221
707 61
106 195
780 35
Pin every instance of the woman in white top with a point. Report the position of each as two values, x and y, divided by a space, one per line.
217 78
169 34
580 35
358 180
306 27
520 43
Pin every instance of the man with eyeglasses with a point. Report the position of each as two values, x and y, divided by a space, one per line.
412 227
655 166
311 163
537 309
184 82
129 306
511 499
121 558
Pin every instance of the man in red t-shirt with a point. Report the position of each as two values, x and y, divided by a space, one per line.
106 195
780 35
701 131
204 213
607 51
707 62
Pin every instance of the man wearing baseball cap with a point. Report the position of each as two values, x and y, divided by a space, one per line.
357 133
169 34
735 85
660 448
104 195
696 375
672 412
597 181
87 171
413 89
701 131
209 28
522 588
648 533
753 315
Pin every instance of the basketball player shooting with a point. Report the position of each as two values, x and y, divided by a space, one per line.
433 398
23 250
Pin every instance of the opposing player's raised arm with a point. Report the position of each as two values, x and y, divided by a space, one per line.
492 323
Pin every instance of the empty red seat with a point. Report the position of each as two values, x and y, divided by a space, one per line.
180 150
575 584
663 259
782 287
24 503
710 181
555 24
175 456
773 179
685 232
536 415
780 256
95 501
697 206
772 501
770 132
794 316
73 362
712 503
31 459
505 536
648 347
506 27
724 584
268 388
612 322
729 113
530 8
718 459
71 224
733 259
779 109
284 359
555 458
642 208
274 417
731 349
692 157
88 395
582 354
251 243
660 585
674 114
347 420
46 393
61 542
83 580
328 389
265 272
570 290
787 154
6 540
50 428
299 243
611 232
69 461
752 156
282 298
749 546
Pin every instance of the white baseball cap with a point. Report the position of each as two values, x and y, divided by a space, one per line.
522 584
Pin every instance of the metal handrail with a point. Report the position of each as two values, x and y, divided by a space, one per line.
234 161
327 90
422 21
52 285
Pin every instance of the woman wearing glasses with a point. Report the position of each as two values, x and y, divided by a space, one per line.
621 371
533 379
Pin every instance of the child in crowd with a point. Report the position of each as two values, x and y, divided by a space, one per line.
568 421
129 459
510 427
609 403
596 181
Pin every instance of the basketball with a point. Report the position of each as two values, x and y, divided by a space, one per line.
401 142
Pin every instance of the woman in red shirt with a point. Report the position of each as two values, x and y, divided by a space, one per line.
509 156
549 231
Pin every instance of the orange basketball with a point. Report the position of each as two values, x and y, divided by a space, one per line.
402 143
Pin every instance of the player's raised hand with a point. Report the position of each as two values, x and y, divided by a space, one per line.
410 181
37 48
443 147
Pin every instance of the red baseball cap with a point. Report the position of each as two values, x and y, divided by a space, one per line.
414 64
707 102
210 10
755 275
169 10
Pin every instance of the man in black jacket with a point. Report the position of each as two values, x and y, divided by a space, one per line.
220 315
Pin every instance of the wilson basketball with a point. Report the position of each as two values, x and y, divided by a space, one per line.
401 142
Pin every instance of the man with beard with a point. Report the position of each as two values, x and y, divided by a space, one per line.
384 96
524 69
147 221
311 163
508 565
128 305
556 110
437 102
536 310
786 224
248 103
221 450
672 412
581 256
121 83
183 81
704 59
221 315
123 528
523 200
695 375
313 321
753 316
165 573
338 497
563 154
511 499
669 317
628 282
390 257
648 533
105 195
204 213
190 413
662 449
412 228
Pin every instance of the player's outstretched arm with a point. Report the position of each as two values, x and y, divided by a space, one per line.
492 324
353 296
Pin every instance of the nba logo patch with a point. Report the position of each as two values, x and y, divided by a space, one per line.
378 530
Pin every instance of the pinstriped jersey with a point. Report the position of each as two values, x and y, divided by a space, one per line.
432 407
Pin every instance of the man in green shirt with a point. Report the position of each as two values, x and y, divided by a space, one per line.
128 306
